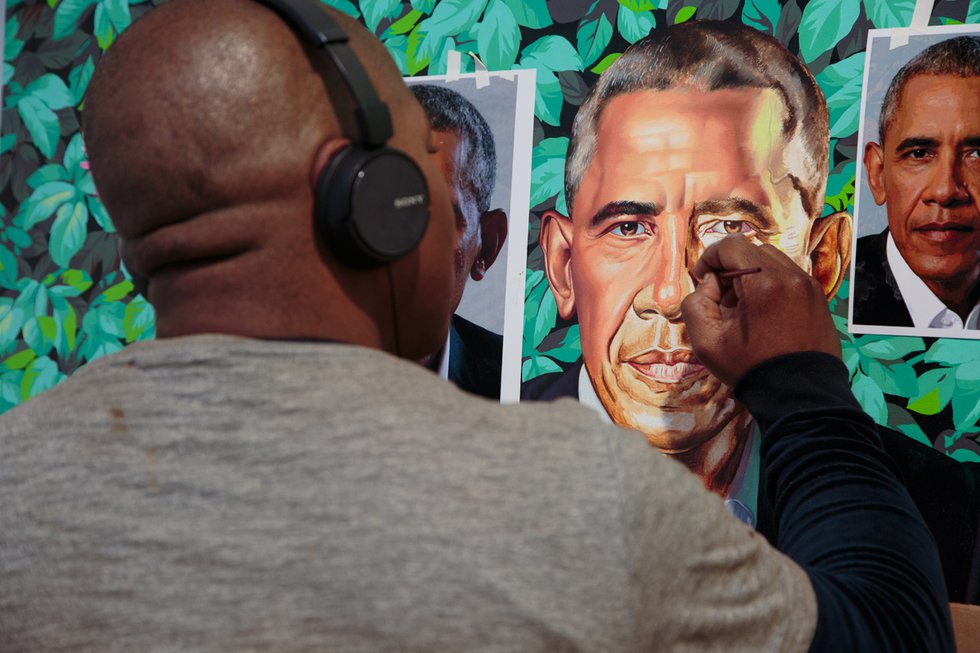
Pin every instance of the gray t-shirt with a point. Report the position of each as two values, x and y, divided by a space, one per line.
221 493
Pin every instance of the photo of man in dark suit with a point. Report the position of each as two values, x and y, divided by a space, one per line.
923 271
463 148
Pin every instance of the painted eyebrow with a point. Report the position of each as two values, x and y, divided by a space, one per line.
734 205
971 141
622 207
916 142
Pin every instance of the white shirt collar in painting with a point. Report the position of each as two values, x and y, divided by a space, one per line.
927 311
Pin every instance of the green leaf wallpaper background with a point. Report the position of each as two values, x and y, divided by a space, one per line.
64 300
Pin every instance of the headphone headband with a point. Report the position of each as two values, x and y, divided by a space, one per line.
319 30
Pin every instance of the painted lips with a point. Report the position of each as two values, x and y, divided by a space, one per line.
671 366
944 232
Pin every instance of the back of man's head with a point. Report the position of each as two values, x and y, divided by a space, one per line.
709 56
957 57
450 111
206 123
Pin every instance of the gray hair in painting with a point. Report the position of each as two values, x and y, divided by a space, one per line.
958 56
450 111
709 56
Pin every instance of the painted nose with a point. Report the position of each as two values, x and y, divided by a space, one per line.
946 187
668 279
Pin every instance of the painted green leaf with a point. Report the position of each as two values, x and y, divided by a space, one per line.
824 23
548 97
531 306
116 292
498 37
592 37
376 10
449 18
841 84
68 232
530 13
537 366
74 152
607 61
78 80
417 59
345 6
397 48
551 53
534 277
945 20
953 352
544 321
967 375
78 279
97 211
50 172
12 318
425 6
915 432
684 15
40 337
570 348
118 12
890 13
840 190
42 374
965 456
20 360
8 73
973 13
439 63
548 169
633 25
896 380
935 390
41 123
405 24
67 15
44 201
12 46
642 5
869 395
762 15
69 329
139 322
105 34
966 409
890 348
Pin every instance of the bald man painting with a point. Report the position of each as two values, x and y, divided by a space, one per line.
277 472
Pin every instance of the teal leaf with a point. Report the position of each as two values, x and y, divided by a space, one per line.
935 390
417 59
544 321
42 374
376 10
973 13
440 62
139 321
965 456
841 84
915 432
97 210
405 24
548 169
345 6
643 5
840 192
952 352
534 277
870 397
762 15
966 409
50 89
43 202
592 37
46 173
890 348
548 98
530 13
824 23
78 80
498 37
425 6
551 53
41 123
570 348
449 18
634 25
74 152
398 49
12 46
8 73
68 232
118 12
104 32
12 319
537 366
67 14
890 13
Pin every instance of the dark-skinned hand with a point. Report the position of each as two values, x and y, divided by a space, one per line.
735 324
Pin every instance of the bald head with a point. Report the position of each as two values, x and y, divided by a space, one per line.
206 124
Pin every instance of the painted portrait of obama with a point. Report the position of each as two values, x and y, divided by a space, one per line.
697 131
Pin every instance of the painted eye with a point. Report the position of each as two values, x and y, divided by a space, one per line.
731 227
629 229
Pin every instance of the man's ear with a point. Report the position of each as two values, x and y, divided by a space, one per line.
493 233
556 245
327 151
830 250
874 166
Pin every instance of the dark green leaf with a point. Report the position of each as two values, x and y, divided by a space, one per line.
684 15
607 61
405 24
530 13
67 14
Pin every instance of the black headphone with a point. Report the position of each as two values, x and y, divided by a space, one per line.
372 201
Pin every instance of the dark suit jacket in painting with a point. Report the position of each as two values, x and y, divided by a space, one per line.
875 294
946 492
475 355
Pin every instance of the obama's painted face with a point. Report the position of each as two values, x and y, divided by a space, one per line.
673 171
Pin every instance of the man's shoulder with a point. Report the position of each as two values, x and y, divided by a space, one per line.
555 385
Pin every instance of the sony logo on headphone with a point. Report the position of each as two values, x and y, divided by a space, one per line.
409 200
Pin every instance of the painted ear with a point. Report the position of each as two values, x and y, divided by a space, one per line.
493 233
830 250
874 166
556 245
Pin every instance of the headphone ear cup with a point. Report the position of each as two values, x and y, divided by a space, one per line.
371 206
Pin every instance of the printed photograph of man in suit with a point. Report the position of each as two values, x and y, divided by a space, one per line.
463 147
698 131
923 270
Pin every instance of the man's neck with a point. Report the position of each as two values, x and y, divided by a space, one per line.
717 461
960 295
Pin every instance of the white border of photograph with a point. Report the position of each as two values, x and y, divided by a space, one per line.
911 41
498 299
